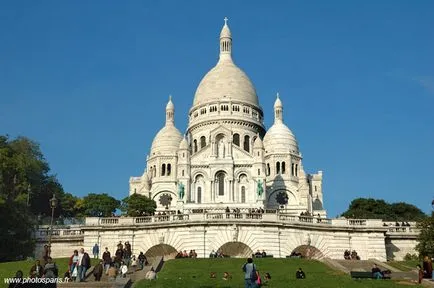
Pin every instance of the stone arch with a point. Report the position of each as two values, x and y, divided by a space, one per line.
164 250
240 172
199 172
235 249
308 251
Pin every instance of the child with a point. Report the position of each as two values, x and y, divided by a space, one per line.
420 270
124 269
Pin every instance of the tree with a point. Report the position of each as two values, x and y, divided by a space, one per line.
25 184
425 245
363 208
99 205
137 205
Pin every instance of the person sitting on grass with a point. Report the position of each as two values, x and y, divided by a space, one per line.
376 272
212 275
300 274
227 276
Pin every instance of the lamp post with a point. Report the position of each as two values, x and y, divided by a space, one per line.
53 204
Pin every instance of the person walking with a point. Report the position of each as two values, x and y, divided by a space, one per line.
250 274
106 257
95 251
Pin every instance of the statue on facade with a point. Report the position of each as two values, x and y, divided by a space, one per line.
260 188
180 191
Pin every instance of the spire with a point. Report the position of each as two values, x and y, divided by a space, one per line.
170 112
225 42
278 110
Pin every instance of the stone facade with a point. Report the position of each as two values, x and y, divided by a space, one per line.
237 235
227 158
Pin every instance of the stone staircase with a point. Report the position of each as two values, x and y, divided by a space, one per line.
133 275
366 265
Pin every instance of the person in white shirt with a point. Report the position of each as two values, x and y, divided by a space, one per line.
124 269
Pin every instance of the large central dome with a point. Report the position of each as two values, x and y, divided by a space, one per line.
225 80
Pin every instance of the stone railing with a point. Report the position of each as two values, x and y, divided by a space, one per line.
405 229
44 232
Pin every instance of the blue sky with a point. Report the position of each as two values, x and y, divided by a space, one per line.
89 81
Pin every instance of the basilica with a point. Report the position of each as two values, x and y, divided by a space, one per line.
228 158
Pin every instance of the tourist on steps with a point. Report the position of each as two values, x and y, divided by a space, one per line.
95 251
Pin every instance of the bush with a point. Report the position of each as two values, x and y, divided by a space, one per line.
411 257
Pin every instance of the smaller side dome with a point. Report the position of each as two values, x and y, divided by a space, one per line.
166 142
184 144
279 139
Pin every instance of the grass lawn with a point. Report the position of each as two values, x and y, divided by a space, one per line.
405 265
8 269
195 273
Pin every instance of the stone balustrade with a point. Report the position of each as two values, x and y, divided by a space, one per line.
44 232
201 216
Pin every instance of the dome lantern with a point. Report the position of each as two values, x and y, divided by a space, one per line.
170 112
278 110
225 42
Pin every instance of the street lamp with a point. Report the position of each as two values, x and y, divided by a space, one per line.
53 204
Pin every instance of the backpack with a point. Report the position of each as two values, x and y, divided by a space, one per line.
253 274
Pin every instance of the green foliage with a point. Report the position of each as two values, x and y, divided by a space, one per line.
363 208
411 257
25 187
425 245
99 205
137 205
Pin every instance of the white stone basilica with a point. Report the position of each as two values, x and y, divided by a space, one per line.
227 158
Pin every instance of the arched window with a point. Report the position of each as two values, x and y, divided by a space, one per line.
221 183
195 145
292 169
296 169
169 169
155 171
259 172
283 167
277 167
183 173
247 143
243 194
268 169
199 195
202 142
236 139
163 169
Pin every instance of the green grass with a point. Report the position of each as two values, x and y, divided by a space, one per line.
195 273
8 269
405 265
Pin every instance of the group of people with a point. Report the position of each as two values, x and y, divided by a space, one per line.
218 254
260 254
252 277
184 254
351 255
